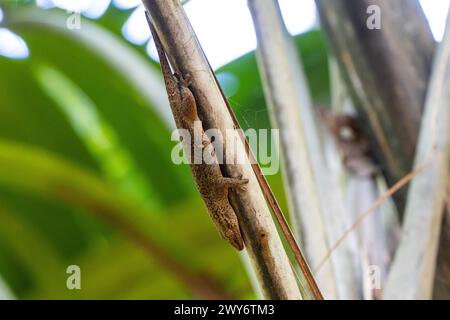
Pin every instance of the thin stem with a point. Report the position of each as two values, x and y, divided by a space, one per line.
413 269
263 244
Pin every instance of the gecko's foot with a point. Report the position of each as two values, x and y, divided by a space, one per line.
233 182
185 80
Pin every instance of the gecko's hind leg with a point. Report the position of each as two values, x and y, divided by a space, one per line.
232 182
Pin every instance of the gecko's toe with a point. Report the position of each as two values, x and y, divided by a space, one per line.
233 182
240 181
186 80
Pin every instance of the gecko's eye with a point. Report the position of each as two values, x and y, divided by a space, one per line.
346 133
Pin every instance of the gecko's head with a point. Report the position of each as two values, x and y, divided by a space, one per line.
234 238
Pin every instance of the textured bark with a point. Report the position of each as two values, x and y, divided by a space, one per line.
413 269
286 94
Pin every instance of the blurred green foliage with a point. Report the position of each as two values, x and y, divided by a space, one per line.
85 171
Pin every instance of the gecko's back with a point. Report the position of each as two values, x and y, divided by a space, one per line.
209 180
